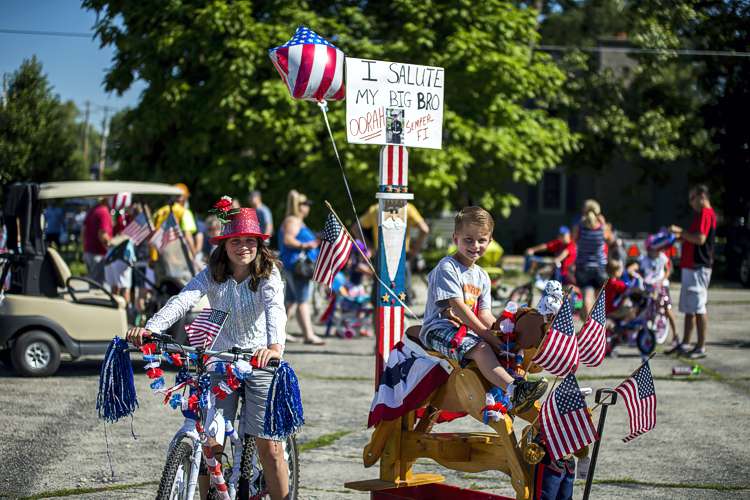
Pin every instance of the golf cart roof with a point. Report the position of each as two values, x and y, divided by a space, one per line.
95 189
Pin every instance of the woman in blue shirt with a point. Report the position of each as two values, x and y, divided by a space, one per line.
295 241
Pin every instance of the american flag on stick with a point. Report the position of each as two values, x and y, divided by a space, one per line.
592 341
558 353
206 326
168 232
640 400
138 229
565 421
335 247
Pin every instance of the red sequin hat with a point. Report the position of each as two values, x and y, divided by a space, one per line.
243 223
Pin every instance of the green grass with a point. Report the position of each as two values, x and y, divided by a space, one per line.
323 441
69 492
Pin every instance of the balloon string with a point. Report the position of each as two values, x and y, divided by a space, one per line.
324 108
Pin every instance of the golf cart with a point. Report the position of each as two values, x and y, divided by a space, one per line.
46 311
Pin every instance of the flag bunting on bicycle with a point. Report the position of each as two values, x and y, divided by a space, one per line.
409 377
640 400
137 230
206 326
168 232
558 353
592 340
565 421
335 247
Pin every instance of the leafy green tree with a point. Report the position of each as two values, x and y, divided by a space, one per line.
670 106
216 115
38 133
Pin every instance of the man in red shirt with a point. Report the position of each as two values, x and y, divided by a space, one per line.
564 250
97 233
696 261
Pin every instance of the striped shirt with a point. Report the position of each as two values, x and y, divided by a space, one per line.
591 245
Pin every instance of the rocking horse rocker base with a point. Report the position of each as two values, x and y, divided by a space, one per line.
400 442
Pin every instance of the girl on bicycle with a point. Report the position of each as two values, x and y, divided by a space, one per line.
242 279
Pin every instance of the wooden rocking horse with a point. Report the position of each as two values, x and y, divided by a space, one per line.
400 442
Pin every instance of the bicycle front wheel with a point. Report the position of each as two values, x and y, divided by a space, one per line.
252 485
174 478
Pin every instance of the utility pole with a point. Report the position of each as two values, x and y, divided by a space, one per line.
86 135
103 148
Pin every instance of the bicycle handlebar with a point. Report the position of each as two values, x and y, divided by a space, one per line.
171 345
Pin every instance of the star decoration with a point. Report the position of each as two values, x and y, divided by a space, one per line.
402 296
384 298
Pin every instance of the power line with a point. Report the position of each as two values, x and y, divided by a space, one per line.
68 34
639 50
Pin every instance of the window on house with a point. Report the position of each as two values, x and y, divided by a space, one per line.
552 192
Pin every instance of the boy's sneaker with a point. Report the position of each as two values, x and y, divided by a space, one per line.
697 353
525 393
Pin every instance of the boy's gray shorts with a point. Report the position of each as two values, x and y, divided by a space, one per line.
256 393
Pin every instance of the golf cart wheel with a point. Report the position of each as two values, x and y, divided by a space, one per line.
646 341
252 484
174 477
36 354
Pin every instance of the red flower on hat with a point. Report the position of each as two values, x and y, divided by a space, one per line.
223 210
223 204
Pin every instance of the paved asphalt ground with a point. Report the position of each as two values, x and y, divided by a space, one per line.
54 446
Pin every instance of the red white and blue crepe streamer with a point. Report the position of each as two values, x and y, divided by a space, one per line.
116 397
153 367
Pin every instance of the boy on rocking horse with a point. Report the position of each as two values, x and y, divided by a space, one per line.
458 321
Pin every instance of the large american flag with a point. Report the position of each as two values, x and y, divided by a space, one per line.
206 326
311 66
335 247
168 232
565 421
558 354
592 341
138 229
640 400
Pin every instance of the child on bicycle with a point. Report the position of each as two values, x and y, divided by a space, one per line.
242 279
655 267
563 248
620 301
458 296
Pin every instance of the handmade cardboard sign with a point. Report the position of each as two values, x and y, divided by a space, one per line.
394 103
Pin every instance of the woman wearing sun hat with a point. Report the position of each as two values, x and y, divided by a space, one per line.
242 279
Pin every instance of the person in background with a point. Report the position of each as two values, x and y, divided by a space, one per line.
696 263
591 235
97 234
414 221
296 243
264 213
655 269
184 216
54 224
212 230
564 250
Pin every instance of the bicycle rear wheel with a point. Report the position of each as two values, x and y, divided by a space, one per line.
174 478
522 295
252 485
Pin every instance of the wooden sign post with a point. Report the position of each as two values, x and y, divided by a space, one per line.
395 105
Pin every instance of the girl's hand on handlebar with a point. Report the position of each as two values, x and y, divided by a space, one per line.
263 356
135 335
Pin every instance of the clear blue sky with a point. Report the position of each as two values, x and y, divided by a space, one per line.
75 67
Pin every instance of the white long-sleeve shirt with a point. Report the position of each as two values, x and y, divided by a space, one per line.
256 319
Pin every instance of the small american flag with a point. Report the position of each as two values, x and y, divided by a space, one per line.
138 229
640 400
335 248
206 326
592 341
558 353
168 232
565 421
